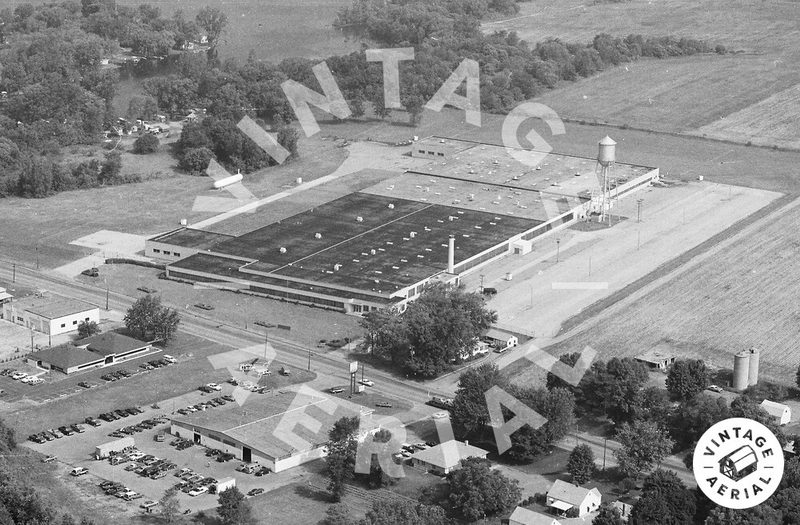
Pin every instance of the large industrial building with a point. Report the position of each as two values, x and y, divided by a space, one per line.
470 205
278 431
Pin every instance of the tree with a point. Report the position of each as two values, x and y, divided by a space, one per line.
213 21
148 319
644 444
470 416
477 491
442 325
67 519
337 514
110 168
616 387
687 378
87 329
195 160
341 459
553 381
234 509
608 515
694 416
288 137
344 428
170 506
581 464
404 512
142 107
759 515
147 143
557 406
665 500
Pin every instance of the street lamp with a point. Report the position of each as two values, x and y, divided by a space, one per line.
558 248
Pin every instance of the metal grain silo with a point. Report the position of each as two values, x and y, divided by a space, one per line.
752 373
741 370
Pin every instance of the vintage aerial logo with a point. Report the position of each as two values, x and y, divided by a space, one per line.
738 463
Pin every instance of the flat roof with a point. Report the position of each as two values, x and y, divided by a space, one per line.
65 356
515 201
549 172
53 306
277 424
111 343
191 238
379 253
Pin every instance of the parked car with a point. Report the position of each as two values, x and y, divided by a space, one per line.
197 491
91 272
16 376
489 291
169 359
66 430
367 382
108 377
228 398
77 428
79 471
383 404
204 306
85 384
255 492
148 504
336 390
214 386
147 289
36 438
263 471
204 388
714 388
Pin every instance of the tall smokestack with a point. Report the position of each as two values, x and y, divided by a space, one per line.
451 255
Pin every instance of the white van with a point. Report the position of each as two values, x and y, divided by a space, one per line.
79 471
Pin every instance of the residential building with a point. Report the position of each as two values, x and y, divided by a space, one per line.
445 457
563 496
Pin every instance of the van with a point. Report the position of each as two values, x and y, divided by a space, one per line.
490 291
79 471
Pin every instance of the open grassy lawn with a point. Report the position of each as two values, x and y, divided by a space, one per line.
742 297
41 229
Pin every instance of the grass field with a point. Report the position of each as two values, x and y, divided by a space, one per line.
672 94
744 296
771 121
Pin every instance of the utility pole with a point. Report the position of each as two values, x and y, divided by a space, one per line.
639 210
309 359
481 283
605 440
14 272
638 239
558 248
106 295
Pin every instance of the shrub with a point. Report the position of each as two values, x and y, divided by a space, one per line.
195 160
147 143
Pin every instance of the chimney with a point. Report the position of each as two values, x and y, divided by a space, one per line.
451 255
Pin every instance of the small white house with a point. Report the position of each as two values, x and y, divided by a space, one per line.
446 457
563 496
780 413
500 340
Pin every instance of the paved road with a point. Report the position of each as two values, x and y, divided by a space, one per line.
600 445
331 368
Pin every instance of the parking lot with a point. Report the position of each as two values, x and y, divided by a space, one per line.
78 451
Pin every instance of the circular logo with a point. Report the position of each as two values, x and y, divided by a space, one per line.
738 463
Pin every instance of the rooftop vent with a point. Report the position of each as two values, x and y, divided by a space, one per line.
359 219
318 236
282 250
391 206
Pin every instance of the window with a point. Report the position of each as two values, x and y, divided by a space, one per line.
166 252
422 151
431 153
87 319
156 251
20 319
75 322
63 325
356 308
440 154
176 254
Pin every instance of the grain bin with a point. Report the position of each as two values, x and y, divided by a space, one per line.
752 373
741 369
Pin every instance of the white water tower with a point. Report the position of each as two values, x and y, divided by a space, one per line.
606 157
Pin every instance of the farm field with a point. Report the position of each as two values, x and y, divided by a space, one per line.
771 121
689 92
741 296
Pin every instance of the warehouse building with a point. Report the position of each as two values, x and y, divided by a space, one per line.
50 314
379 247
278 431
